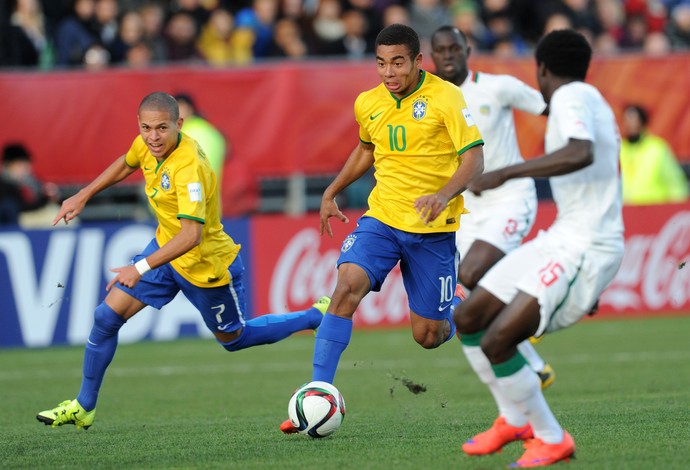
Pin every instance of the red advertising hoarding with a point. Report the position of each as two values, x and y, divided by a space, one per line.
294 265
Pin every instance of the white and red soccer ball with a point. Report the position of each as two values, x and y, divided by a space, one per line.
317 409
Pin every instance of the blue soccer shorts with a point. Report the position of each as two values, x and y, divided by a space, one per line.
221 307
427 262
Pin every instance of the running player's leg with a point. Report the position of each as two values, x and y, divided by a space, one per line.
475 263
156 288
429 275
224 309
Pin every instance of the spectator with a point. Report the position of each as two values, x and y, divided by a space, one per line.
180 37
651 174
106 13
466 19
153 15
221 44
33 194
425 17
395 14
678 28
211 140
634 31
328 28
76 34
287 40
139 55
259 19
656 44
130 32
28 39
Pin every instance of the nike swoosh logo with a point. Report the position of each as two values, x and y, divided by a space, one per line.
147 169
374 116
443 307
91 342
222 327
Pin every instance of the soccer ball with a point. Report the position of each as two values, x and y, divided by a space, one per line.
316 409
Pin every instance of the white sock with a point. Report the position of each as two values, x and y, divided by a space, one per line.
524 390
531 356
481 365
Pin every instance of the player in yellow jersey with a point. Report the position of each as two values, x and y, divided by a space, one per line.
416 131
190 253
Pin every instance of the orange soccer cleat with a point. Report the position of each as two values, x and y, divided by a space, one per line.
539 454
287 427
498 435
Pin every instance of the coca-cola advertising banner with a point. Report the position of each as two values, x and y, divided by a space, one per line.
294 265
51 280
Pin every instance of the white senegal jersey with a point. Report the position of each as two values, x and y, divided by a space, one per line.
589 200
491 100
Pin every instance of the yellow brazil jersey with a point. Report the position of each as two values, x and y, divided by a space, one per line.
417 141
184 186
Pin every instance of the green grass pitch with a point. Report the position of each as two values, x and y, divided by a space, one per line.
622 389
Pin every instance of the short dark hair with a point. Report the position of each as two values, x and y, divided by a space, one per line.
641 112
452 30
161 101
399 34
565 53
185 98
15 152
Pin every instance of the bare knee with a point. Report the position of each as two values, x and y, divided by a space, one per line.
497 345
431 337
469 275
225 339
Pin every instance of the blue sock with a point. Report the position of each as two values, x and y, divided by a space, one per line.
100 349
268 329
332 338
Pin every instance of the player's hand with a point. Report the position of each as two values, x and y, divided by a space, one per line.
329 208
490 180
430 206
128 276
70 208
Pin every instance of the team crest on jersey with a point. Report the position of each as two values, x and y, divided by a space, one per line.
348 242
419 109
165 180
485 110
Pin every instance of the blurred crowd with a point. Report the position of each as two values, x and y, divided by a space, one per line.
137 33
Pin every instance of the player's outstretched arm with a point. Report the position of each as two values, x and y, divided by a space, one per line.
72 207
187 238
577 154
359 161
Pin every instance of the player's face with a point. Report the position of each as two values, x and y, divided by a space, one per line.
159 132
399 73
449 54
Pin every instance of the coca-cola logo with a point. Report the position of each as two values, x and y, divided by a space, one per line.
306 270
653 275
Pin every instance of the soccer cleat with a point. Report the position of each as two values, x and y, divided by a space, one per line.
322 306
535 339
287 427
547 376
67 412
539 454
498 435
